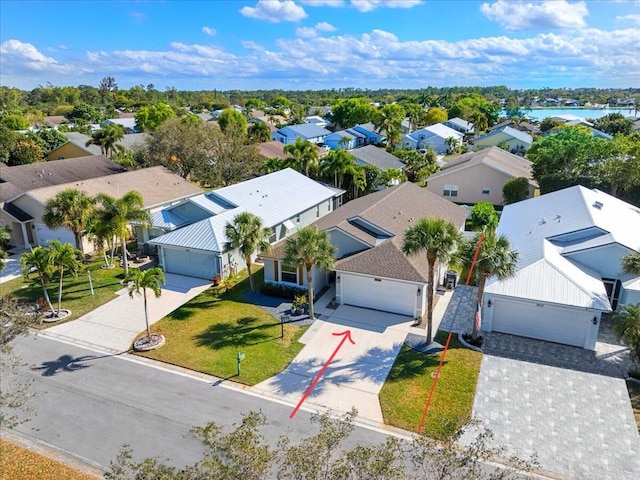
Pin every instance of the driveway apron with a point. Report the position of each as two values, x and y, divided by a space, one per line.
114 325
358 371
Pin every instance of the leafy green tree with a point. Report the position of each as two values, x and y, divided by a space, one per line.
495 257
70 208
435 115
479 121
259 132
149 118
418 166
232 116
392 176
389 120
273 165
253 104
303 155
466 105
336 164
297 114
349 112
41 260
627 328
247 234
25 152
483 216
8 141
47 139
437 238
614 123
84 113
515 190
619 169
15 121
415 112
102 230
312 249
66 260
549 124
123 211
280 103
141 280
107 138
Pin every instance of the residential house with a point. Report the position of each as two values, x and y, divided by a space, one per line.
77 146
480 176
15 182
377 157
306 131
461 125
516 141
570 244
371 270
194 244
434 136
272 149
317 120
344 139
127 123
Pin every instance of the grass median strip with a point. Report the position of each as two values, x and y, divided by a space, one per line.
404 394
207 333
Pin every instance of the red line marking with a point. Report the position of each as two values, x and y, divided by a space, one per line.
475 257
347 335
433 386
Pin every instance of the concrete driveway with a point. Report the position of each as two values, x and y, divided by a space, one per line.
565 404
113 326
356 375
12 269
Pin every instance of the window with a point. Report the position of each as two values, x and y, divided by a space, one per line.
486 190
450 190
298 219
272 237
289 274
318 211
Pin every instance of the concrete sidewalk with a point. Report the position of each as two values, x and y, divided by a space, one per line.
113 326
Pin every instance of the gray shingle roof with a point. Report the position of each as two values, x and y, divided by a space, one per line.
378 157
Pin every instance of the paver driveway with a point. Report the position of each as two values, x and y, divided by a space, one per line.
358 371
567 405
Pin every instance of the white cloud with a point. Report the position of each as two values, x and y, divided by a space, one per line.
26 53
323 3
633 17
520 15
209 31
275 11
368 5
310 32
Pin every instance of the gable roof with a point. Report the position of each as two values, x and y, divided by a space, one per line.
438 130
305 130
509 132
157 185
493 157
460 123
22 178
391 210
378 157
272 149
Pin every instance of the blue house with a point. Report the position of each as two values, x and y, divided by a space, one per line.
306 131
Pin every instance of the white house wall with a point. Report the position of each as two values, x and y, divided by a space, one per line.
606 260
629 297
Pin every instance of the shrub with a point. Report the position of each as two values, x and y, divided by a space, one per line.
281 291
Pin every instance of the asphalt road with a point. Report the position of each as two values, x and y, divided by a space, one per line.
90 404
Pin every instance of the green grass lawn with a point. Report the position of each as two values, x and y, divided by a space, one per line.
76 294
405 392
207 333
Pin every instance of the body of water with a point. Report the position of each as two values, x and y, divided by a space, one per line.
542 113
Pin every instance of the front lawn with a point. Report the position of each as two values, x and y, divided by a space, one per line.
405 392
634 395
76 292
208 332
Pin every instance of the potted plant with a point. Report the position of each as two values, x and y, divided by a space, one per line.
298 304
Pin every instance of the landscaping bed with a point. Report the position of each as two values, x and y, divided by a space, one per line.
634 395
405 392
207 333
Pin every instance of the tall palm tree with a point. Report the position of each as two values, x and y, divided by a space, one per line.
107 138
129 208
304 154
102 230
40 259
337 163
65 259
247 234
259 132
436 237
495 257
631 263
390 121
139 280
311 248
452 144
274 164
69 208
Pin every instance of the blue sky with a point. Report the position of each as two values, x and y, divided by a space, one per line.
315 44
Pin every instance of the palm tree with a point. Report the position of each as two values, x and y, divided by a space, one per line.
247 234
452 144
107 138
627 328
102 230
259 132
495 257
129 208
311 248
390 121
303 153
65 259
5 236
631 263
139 280
274 164
69 208
436 237
337 163
41 259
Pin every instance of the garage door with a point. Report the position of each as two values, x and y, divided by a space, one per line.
385 295
192 264
554 324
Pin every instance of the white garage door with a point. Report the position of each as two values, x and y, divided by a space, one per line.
192 264
554 324
385 295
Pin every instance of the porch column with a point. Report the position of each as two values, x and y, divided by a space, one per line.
25 235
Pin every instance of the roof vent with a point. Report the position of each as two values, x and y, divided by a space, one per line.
598 205
557 218
542 221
